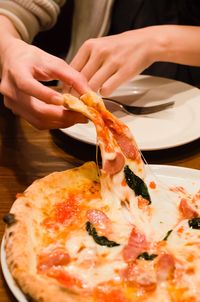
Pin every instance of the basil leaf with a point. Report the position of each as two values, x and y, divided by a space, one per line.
101 240
167 235
136 184
194 223
147 256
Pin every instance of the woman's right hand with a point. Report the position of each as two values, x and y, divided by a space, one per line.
23 66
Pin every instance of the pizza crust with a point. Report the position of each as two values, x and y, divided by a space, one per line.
21 239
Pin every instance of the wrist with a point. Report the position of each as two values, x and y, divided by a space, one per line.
160 43
8 32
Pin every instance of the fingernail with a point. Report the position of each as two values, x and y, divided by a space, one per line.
58 99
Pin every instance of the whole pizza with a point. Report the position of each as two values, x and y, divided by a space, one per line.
98 234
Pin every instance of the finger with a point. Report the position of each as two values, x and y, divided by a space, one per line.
101 76
32 87
66 88
69 76
81 58
68 118
56 113
43 116
115 81
8 104
91 67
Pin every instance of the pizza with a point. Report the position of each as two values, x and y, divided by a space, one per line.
104 233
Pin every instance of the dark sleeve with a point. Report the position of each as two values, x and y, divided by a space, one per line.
189 12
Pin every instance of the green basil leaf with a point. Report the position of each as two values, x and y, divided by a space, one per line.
167 235
194 223
147 256
101 240
136 184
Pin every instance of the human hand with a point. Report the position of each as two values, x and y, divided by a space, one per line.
107 62
23 66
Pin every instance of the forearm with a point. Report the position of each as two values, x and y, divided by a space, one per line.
176 44
31 16
7 30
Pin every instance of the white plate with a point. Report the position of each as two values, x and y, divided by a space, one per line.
9 279
172 127
168 175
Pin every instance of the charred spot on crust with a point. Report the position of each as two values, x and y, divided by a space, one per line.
27 204
95 187
9 219
29 298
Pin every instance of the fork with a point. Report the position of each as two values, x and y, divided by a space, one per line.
138 109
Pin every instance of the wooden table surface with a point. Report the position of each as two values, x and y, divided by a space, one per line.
27 154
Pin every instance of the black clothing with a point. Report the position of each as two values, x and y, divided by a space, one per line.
134 14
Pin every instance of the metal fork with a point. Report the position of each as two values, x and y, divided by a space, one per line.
138 109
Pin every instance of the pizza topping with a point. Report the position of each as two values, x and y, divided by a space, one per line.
65 278
66 210
62 212
167 235
196 198
115 165
9 219
136 184
186 210
194 223
142 274
165 267
152 185
126 144
146 256
142 202
99 220
57 257
114 295
137 243
101 240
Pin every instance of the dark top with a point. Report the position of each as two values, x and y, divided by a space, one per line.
133 14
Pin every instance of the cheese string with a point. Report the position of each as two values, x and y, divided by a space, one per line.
162 184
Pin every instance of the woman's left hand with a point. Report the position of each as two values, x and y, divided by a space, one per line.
107 62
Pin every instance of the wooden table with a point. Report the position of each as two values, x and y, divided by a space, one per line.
27 154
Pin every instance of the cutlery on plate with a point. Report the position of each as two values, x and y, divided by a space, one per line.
138 109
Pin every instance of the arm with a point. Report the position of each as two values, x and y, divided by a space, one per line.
179 44
31 16
22 67
109 61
